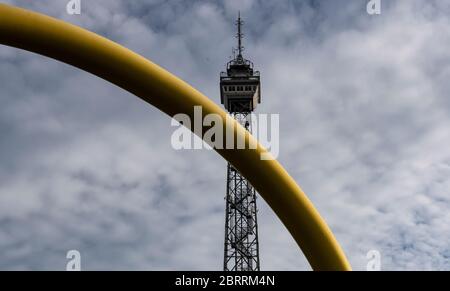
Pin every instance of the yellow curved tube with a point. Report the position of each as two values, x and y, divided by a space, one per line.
90 52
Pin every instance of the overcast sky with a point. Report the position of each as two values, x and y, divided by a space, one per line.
364 110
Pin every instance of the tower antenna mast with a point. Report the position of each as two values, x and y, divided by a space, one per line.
240 35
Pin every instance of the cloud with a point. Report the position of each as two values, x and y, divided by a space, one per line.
364 130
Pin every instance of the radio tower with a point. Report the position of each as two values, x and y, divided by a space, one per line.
240 93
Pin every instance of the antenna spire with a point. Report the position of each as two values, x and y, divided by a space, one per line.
240 35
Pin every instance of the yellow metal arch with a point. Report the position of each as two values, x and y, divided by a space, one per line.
90 52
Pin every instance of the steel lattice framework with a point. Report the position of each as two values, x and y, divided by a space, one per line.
241 227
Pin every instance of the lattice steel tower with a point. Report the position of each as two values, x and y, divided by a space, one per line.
240 93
